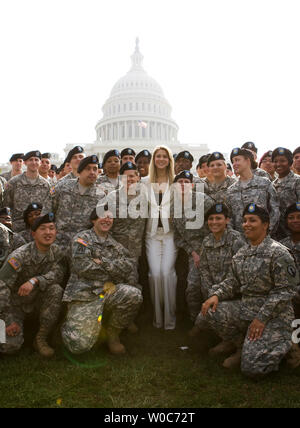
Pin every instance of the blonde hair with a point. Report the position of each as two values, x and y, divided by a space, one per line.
170 175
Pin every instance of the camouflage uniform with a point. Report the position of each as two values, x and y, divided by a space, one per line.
24 264
106 185
5 243
72 209
191 240
216 258
266 278
129 231
19 193
26 235
2 191
218 192
69 176
259 191
288 189
261 173
7 175
294 249
86 295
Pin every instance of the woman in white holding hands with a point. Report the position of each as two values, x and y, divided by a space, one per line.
160 245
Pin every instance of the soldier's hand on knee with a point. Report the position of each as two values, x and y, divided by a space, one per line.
210 303
256 330
25 289
13 330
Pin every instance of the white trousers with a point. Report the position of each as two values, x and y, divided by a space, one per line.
161 255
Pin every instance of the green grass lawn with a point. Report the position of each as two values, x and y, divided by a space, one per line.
155 373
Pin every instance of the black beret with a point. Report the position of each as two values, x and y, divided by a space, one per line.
241 152
184 174
46 156
143 154
203 160
257 210
33 154
175 156
292 209
111 153
5 211
100 166
87 161
229 166
73 152
127 152
215 157
217 209
54 168
268 154
250 146
16 156
128 166
48 218
31 207
185 155
296 151
281 151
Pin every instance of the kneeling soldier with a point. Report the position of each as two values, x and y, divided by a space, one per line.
98 291
259 322
29 281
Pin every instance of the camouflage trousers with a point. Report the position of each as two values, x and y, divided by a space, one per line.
260 357
84 320
193 292
47 304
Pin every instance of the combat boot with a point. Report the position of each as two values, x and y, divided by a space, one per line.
113 341
222 348
41 345
293 357
234 360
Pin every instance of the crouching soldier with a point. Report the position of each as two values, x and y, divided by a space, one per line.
98 292
259 322
30 282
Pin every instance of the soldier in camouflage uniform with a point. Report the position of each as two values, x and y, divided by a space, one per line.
267 165
17 163
75 156
100 292
217 189
190 240
25 189
73 201
29 282
4 243
292 242
15 239
32 212
127 155
110 181
256 171
250 188
260 322
287 186
129 231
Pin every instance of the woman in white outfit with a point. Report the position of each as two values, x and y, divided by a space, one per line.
160 246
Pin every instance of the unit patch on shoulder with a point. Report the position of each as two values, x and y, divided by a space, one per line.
14 263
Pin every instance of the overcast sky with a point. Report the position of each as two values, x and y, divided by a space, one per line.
229 68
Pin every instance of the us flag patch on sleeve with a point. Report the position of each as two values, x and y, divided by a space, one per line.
82 242
14 263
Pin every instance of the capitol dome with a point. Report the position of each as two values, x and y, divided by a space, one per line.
137 115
